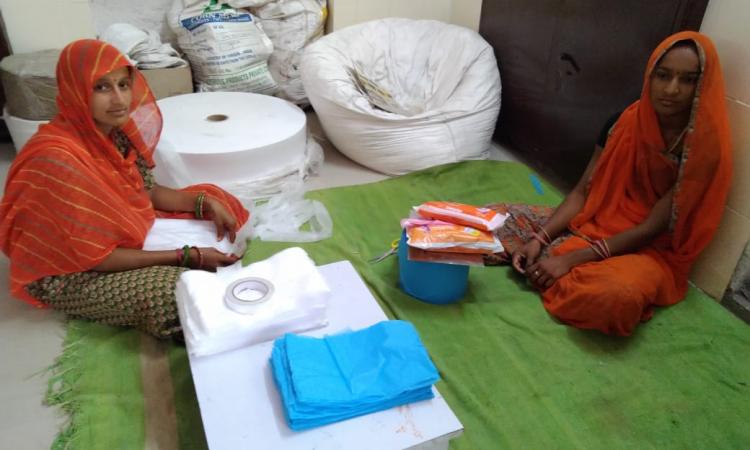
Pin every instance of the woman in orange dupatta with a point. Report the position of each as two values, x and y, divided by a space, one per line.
625 239
80 198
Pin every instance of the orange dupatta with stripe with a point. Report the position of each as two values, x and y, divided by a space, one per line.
632 173
71 198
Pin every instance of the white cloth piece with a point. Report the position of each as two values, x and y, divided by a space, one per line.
298 303
143 48
171 234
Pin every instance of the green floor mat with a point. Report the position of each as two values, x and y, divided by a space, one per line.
513 376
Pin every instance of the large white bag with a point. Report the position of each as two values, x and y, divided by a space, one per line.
399 95
291 25
226 46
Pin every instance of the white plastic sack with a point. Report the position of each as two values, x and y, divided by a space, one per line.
142 47
399 95
247 3
226 47
291 25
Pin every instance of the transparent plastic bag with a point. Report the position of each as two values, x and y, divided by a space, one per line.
289 217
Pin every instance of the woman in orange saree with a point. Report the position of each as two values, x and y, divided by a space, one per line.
624 240
80 198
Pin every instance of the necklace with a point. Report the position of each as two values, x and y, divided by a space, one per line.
677 140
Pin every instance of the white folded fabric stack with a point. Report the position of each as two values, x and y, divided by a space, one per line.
171 234
298 302
143 47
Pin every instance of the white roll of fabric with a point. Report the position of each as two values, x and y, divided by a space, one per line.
239 141
298 302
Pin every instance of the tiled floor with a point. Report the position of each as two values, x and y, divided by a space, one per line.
31 339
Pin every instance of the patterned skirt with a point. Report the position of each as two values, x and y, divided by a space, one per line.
141 298
522 221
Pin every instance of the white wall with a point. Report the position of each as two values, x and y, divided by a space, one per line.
348 12
726 22
33 25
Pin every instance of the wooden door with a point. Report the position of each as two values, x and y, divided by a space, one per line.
4 133
567 65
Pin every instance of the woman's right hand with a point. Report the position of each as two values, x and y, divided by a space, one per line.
212 259
526 255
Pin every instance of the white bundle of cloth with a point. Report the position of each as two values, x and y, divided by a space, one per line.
143 47
297 303
171 234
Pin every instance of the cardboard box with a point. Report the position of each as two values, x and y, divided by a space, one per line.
169 82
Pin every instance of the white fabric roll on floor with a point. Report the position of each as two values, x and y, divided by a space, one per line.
231 139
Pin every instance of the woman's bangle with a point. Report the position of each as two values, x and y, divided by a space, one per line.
596 250
179 256
539 238
601 248
606 247
549 239
200 257
199 200
544 237
185 256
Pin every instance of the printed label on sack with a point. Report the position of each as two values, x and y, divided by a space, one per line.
191 23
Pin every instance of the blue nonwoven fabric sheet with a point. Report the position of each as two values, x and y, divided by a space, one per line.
325 380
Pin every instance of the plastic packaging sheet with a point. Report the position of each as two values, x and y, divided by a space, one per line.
325 380
289 217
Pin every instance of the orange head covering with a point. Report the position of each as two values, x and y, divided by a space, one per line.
71 197
633 171
81 64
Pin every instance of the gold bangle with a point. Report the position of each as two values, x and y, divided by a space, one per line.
199 205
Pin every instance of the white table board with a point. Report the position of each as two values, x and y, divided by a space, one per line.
241 408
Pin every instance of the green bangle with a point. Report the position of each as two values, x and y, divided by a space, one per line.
185 255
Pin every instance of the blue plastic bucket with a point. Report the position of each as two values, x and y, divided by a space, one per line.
435 283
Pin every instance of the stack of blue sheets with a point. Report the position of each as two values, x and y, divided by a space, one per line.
325 380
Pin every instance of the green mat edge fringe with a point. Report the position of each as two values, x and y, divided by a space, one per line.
62 385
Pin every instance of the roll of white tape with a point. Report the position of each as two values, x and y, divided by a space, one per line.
247 294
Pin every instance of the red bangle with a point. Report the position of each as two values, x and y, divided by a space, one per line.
179 256
200 257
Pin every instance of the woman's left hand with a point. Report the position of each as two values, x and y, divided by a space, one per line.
545 272
225 223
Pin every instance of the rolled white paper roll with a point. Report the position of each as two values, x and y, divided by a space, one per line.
228 138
